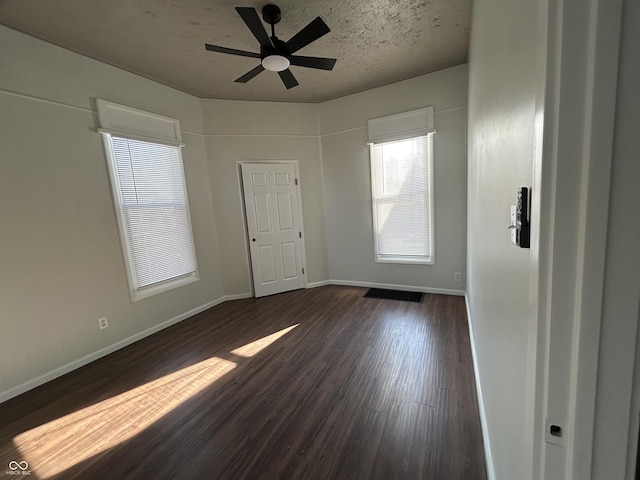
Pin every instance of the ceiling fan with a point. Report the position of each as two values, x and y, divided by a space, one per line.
276 55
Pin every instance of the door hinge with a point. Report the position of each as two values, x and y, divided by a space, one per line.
300 234
303 271
296 181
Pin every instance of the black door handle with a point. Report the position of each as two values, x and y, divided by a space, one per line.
253 239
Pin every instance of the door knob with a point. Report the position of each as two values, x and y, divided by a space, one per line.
253 239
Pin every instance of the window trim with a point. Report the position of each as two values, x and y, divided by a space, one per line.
146 122
404 259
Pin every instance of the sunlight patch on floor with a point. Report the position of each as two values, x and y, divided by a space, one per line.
250 349
58 445
64 442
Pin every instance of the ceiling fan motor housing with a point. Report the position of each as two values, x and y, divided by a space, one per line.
271 14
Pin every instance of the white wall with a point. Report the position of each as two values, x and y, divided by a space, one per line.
262 131
347 181
503 96
329 142
61 266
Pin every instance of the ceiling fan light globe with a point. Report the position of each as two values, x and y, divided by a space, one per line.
275 63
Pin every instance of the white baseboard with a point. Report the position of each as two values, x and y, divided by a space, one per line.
389 286
58 372
491 474
318 284
237 296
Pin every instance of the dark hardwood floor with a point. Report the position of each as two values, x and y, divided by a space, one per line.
316 384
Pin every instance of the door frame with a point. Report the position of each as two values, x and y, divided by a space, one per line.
578 122
245 228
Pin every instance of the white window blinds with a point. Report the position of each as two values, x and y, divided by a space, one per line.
155 212
401 191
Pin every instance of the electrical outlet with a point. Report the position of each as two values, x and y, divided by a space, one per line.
457 277
103 323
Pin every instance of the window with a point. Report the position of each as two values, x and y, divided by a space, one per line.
152 207
401 186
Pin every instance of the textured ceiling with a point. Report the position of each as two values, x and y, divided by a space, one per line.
376 42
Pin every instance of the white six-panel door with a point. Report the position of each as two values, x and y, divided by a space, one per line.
271 201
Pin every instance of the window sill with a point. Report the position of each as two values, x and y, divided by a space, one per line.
404 260
158 288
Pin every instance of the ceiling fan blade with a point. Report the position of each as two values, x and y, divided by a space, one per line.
288 79
308 34
313 62
232 51
250 74
251 18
